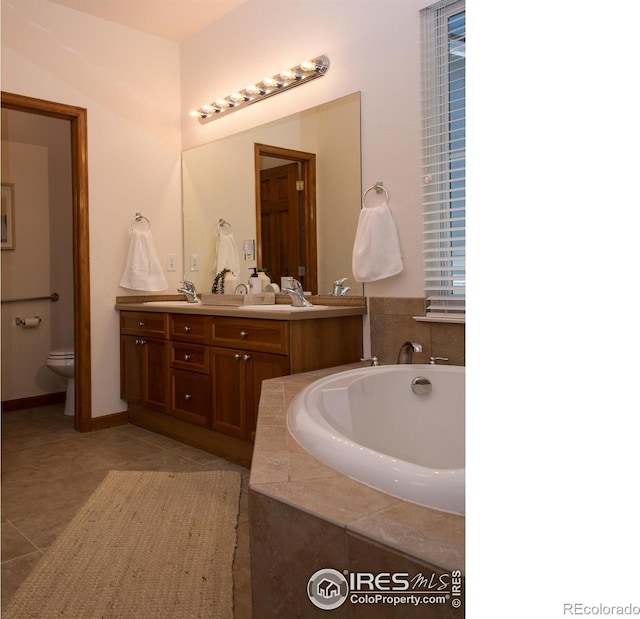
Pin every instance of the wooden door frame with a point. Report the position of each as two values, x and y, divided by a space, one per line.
80 205
308 161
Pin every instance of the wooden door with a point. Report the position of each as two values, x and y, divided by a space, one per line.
228 399
131 369
259 367
280 221
143 371
156 374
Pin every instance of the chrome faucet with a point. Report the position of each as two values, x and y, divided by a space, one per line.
339 289
189 290
405 355
297 294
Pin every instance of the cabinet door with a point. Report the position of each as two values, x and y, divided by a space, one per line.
259 367
143 371
156 379
190 397
228 396
131 369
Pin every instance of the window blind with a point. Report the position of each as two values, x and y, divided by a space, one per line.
443 159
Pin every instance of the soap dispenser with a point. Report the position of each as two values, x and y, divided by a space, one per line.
255 283
265 280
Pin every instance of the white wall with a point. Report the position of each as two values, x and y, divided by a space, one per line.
129 83
139 88
373 46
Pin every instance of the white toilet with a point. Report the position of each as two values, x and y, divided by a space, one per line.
62 362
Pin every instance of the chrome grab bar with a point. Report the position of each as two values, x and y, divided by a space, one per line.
53 297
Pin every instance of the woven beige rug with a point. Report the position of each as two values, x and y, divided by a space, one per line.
147 545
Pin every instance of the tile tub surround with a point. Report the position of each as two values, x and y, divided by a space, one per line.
295 499
392 323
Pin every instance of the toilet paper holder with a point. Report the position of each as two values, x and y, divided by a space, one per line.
28 322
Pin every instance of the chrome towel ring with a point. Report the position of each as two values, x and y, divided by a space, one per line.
137 218
379 189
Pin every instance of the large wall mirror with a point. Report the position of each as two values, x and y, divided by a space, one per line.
219 182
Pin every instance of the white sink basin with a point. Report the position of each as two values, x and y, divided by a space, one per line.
282 308
171 303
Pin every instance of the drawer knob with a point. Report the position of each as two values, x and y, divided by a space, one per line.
187 329
187 357
188 396
141 323
244 334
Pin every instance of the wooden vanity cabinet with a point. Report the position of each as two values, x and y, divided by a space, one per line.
144 359
189 381
236 378
204 372
246 351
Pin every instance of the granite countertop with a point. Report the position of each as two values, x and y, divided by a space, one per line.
324 307
283 470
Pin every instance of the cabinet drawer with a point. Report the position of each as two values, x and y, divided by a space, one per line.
144 323
188 328
192 357
250 334
190 399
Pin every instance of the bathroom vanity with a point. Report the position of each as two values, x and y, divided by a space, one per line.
194 372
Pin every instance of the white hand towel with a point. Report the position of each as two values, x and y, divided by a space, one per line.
376 250
228 257
143 270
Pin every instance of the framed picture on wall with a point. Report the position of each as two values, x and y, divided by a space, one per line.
8 212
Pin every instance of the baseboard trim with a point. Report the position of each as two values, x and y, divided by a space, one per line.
34 401
109 421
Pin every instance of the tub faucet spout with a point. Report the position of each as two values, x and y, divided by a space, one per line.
405 355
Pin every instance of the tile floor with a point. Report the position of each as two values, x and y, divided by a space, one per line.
49 470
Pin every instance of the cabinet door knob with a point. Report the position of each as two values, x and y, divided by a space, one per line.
187 329
188 396
140 342
244 334
187 357
237 356
246 357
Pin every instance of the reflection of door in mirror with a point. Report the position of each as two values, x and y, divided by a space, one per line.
286 214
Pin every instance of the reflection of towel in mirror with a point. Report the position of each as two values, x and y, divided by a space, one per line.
376 250
142 270
228 257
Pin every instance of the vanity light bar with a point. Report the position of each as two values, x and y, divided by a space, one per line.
269 86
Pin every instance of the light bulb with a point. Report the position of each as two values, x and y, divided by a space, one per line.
308 65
